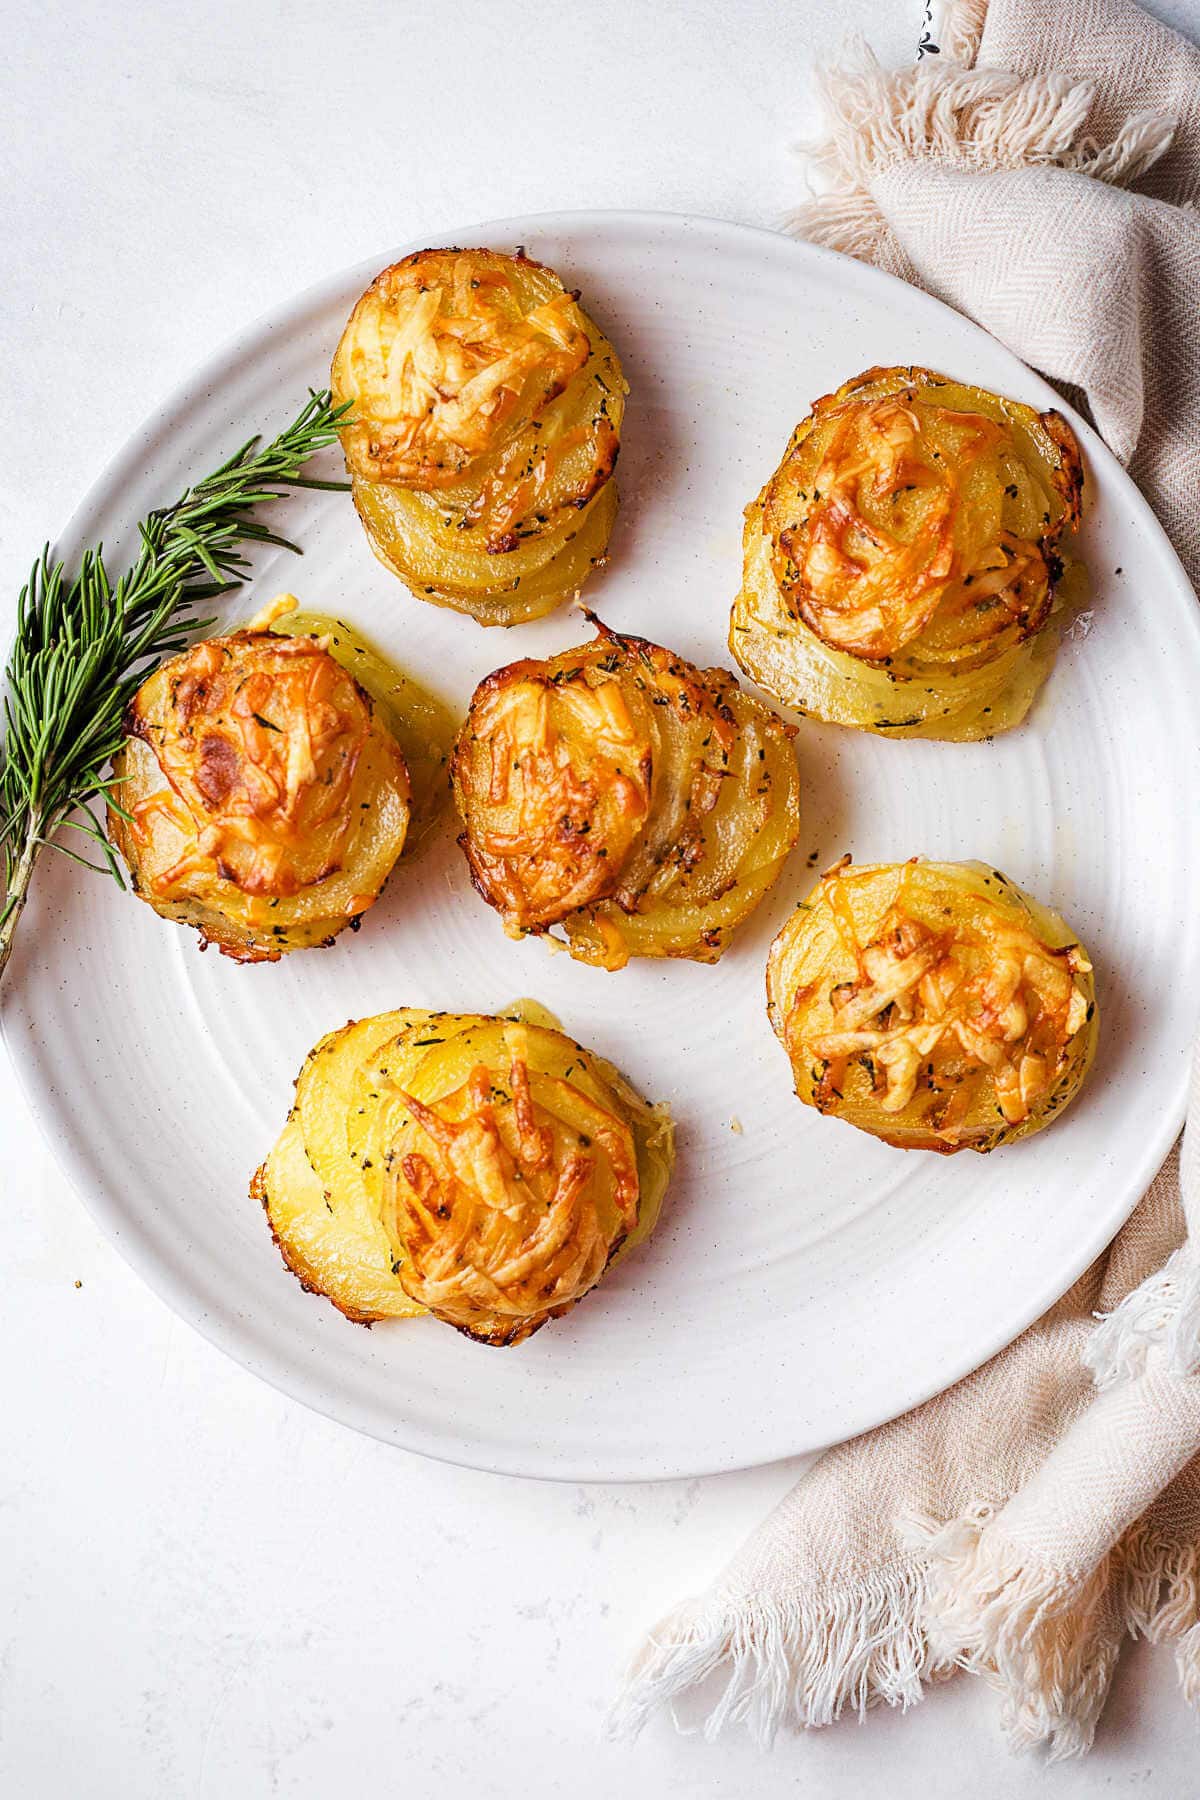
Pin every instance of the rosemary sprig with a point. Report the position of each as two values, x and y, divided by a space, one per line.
85 644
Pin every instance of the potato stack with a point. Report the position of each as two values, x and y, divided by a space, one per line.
642 804
903 567
482 1169
935 1005
484 432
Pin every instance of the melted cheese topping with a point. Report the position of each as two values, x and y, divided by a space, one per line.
615 789
447 357
591 776
889 535
940 1007
495 1192
258 743
568 787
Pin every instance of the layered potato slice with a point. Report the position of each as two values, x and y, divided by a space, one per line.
642 804
904 569
935 1005
421 722
485 1169
484 431
260 796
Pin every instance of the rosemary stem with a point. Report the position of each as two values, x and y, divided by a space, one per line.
85 642
16 895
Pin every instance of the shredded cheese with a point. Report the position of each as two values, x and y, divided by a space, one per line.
939 1006
445 361
498 1200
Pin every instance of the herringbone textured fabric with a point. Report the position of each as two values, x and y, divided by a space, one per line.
1037 170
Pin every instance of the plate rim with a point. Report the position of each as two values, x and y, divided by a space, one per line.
248 1348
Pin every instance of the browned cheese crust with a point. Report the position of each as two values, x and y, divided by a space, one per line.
933 1005
641 803
904 558
260 799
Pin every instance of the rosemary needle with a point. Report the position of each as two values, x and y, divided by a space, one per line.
84 645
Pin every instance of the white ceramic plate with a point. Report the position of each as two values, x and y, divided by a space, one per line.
806 1281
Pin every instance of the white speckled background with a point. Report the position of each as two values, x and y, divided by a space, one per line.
206 1590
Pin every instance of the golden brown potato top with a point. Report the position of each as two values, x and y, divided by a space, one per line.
911 509
937 994
557 772
508 1195
569 777
448 356
258 736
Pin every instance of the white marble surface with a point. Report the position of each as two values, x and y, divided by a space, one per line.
204 1589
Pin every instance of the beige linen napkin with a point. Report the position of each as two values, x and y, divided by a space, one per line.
1037 169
